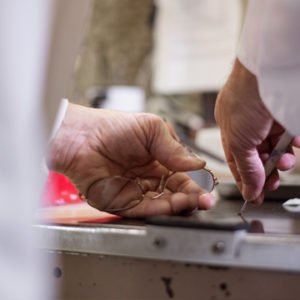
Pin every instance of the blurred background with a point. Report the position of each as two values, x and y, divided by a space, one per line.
168 57
168 54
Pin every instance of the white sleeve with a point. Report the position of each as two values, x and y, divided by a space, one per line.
270 48
61 112
38 46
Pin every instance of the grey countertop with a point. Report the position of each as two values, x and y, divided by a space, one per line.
270 241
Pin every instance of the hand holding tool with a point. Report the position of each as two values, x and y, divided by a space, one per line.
281 147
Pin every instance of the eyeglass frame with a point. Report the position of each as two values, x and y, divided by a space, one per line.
160 189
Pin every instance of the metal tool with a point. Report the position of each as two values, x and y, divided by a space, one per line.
240 213
278 151
281 147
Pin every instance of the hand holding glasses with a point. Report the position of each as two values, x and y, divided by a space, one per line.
127 192
119 194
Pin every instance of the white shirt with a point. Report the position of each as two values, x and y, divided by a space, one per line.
270 48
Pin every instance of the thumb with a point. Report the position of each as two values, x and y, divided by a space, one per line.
251 171
171 153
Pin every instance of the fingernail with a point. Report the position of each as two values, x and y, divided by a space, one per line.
209 199
291 162
248 193
193 155
212 201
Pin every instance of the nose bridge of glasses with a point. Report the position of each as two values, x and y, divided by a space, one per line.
140 186
163 182
162 185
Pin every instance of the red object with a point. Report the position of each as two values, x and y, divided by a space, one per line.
102 220
59 190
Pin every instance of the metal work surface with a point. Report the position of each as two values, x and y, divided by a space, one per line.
92 276
272 243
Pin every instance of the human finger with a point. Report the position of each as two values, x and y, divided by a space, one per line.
114 193
286 162
168 204
296 142
288 159
165 148
117 193
251 171
231 164
182 183
273 181
247 170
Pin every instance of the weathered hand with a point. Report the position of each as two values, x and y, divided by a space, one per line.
93 145
249 133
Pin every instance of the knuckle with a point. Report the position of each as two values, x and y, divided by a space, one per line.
149 118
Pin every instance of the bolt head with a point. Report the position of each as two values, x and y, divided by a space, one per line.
218 247
160 242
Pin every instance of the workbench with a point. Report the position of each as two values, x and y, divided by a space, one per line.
209 255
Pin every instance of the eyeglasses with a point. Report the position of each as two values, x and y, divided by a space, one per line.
130 192
121 189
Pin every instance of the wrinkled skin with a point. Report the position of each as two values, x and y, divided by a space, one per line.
249 133
93 145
